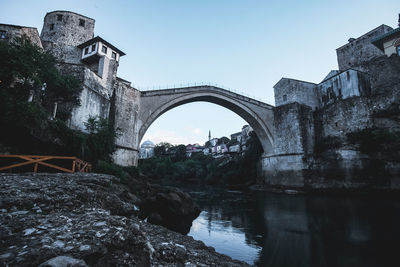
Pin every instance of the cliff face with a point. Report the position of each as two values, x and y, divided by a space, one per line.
91 220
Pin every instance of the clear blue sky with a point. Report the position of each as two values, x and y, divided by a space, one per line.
242 44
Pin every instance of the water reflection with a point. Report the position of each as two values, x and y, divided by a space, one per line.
297 230
225 238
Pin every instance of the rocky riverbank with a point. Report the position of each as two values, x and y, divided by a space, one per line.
88 219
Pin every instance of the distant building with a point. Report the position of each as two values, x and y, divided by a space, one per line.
237 144
214 141
196 148
146 150
234 148
236 136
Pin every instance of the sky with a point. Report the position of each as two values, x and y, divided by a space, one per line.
242 45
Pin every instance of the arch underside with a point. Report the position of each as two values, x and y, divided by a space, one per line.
238 107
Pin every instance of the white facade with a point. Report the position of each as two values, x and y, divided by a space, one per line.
146 150
101 49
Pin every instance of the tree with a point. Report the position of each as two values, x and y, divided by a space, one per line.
100 139
180 153
161 149
223 140
25 69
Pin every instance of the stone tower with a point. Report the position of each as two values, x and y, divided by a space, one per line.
63 31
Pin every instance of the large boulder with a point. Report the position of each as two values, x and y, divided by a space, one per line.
169 207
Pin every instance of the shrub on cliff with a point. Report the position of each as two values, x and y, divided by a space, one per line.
374 140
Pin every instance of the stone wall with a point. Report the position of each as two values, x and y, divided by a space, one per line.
14 31
343 85
127 104
383 74
61 37
289 91
293 141
314 149
92 104
293 129
283 170
360 50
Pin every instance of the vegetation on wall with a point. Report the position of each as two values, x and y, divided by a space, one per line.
30 85
374 141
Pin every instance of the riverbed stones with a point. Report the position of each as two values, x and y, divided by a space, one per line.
63 261
87 217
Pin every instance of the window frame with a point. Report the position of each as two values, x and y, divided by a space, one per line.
86 50
104 49
93 47
114 55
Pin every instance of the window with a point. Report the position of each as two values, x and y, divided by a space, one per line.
398 50
104 49
86 50
3 34
93 47
51 27
59 17
114 55
82 22
284 98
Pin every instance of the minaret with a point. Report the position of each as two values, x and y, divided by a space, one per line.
209 135
399 20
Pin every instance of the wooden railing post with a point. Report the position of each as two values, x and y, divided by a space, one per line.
36 160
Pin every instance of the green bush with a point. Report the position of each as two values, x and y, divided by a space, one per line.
374 140
100 141
109 168
326 143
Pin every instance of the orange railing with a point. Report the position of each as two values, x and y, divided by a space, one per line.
77 165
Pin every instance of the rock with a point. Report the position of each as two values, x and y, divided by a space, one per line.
169 207
63 261
80 222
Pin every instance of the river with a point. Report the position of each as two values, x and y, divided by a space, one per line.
270 229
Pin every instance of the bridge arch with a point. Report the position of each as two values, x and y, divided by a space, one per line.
258 114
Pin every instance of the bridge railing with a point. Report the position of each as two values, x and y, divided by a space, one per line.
184 85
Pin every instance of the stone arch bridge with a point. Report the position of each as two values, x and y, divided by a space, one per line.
134 112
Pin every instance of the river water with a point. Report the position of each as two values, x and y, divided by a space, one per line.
270 229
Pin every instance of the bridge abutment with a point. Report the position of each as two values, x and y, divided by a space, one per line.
126 156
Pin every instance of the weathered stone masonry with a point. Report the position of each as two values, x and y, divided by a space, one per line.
312 122
304 137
